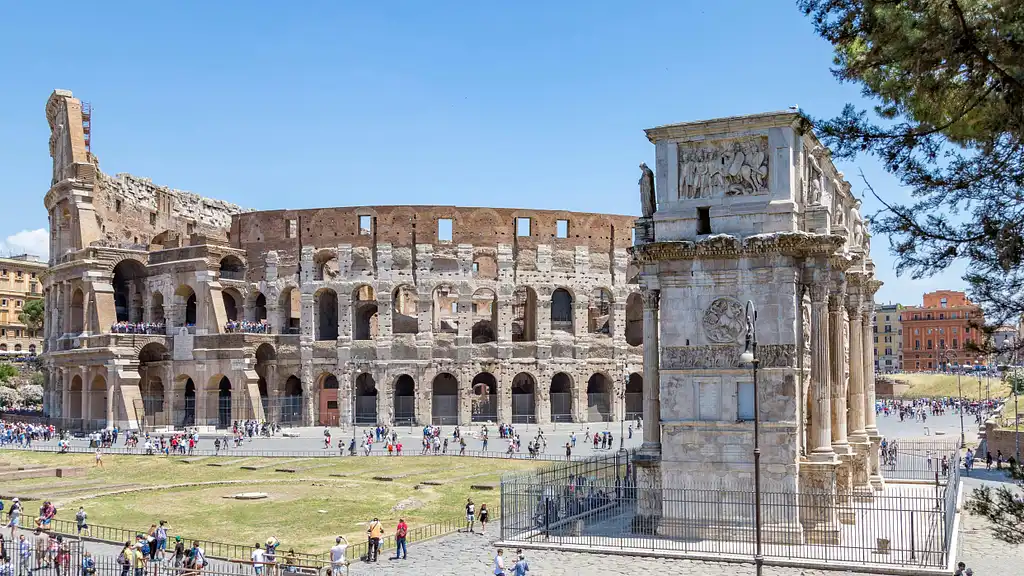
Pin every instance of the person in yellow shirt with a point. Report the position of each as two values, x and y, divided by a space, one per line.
138 560
376 531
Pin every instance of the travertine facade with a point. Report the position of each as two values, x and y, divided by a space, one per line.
391 314
752 208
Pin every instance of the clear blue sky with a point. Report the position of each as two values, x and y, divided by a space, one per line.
518 104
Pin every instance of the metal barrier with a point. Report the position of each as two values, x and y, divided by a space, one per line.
916 459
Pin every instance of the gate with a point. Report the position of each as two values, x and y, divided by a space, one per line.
485 408
366 409
224 411
189 416
405 410
599 407
291 410
523 409
561 407
634 405
445 409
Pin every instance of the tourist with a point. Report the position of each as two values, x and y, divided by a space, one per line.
179 553
124 559
499 563
401 532
257 560
138 560
483 518
375 532
161 540
81 519
99 457
338 560
5 565
88 564
39 541
24 555
470 515
63 558
14 517
568 452
521 567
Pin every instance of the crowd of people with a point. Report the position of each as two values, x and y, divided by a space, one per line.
249 327
22 434
138 328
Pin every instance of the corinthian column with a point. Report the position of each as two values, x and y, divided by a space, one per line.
837 351
855 424
869 365
821 418
652 373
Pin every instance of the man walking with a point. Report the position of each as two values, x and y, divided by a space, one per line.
376 531
338 560
401 531
470 515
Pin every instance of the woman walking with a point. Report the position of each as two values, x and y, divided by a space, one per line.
483 518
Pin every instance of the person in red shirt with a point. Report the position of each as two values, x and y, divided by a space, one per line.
401 531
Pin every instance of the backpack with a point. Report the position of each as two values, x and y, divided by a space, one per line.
145 547
122 559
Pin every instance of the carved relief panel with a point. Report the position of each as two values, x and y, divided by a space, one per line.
732 167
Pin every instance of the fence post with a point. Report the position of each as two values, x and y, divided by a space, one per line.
547 507
911 534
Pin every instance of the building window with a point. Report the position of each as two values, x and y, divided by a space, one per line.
444 229
561 228
955 344
744 401
3 302
886 317
703 221
523 227
152 219
929 344
3 272
942 302
117 206
365 225
291 228
876 339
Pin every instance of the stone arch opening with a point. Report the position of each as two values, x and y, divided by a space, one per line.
634 319
259 307
156 308
330 412
291 401
188 298
405 400
325 265
189 416
366 399
289 306
561 311
364 313
634 396
560 394
77 311
75 395
98 399
232 304
485 398
232 268
485 316
128 290
223 402
326 314
524 314
153 360
445 308
444 399
3 347
524 399
600 316
405 310
17 347
31 348
599 398
266 367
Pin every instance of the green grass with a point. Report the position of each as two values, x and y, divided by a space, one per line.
938 385
305 510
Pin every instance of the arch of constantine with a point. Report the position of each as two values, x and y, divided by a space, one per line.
165 308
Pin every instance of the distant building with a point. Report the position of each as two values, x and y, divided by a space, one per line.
947 321
19 285
888 338
1005 339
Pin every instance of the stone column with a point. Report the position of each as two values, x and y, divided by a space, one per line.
869 385
652 375
168 381
837 351
821 405
855 423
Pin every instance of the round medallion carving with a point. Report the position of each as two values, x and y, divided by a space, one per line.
724 321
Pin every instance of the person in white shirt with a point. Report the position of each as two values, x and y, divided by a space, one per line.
499 564
257 560
338 560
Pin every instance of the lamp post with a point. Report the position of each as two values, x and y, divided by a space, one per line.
749 356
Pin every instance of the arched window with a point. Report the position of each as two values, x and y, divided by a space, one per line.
127 283
232 268
524 315
405 310
561 311
445 310
634 320
326 314
599 312
485 316
77 311
364 313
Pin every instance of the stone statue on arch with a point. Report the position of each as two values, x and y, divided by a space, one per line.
648 201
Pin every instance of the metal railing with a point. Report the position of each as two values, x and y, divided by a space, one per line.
904 526
361 549
916 459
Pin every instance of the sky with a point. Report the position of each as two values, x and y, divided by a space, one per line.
296 105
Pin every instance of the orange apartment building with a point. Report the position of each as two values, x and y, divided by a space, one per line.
946 321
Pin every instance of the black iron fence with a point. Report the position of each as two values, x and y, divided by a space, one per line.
908 525
917 459
71 560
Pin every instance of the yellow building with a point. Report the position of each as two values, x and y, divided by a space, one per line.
888 338
19 284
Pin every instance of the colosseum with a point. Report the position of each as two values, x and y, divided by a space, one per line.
167 309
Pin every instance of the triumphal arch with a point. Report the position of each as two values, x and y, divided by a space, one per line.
752 208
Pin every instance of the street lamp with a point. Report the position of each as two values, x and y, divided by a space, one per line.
945 355
749 356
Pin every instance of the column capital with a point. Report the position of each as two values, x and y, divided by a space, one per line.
819 292
651 298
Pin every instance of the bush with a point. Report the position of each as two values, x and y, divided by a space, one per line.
9 397
38 379
31 394
7 372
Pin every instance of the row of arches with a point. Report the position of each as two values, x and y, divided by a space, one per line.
18 348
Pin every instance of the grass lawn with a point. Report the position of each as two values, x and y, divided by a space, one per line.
305 510
938 385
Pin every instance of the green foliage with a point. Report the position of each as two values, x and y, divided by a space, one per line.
38 379
7 372
947 79
31 394
32 315
1003 507
1015 378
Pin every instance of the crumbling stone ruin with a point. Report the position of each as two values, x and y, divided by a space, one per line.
169 309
